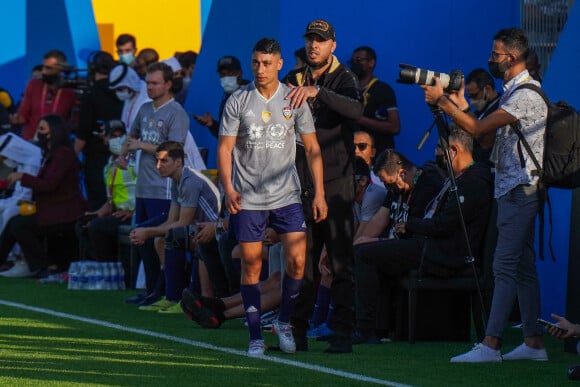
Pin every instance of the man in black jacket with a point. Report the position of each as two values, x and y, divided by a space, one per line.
333 93
98 105
436 243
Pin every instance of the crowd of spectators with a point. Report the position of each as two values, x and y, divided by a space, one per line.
205 246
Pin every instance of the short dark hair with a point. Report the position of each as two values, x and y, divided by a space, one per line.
165 69
124 39
268 46
481 78
391 161
462 137
369 50
56 54
174 150
187 58
514 39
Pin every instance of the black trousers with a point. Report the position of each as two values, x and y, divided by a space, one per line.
94 180
336 233
42 246
376 261
98 238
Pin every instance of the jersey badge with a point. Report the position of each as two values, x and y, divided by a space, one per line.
266 116
160 124
287 112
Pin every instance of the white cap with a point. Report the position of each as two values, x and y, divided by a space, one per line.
173 63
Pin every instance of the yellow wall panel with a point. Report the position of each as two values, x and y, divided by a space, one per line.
166 25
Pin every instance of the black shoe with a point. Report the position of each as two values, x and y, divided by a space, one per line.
136 298
151 298
301 343
339 343
359 337
196 311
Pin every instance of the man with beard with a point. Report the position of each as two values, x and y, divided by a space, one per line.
381 115
333 94
44 96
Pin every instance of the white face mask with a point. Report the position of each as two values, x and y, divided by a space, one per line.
230 84
115 144
123 95
479 104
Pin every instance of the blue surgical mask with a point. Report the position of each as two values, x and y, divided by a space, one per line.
127 58
229 84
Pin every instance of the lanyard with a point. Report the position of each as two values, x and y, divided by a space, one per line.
112 186
43 101
365 91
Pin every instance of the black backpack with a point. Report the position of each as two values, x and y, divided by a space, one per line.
561 166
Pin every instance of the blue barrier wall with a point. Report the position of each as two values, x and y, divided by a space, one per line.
444 35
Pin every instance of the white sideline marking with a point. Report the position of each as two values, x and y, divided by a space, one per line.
311 367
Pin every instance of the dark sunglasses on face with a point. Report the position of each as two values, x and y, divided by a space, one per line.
362 146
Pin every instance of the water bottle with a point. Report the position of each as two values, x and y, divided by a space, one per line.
99 277
109 282
83 275
73 275
120 276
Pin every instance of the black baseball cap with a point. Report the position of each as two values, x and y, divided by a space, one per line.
321 28
229 63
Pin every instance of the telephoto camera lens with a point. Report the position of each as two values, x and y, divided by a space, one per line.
413 75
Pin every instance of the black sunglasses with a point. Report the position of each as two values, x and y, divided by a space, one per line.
361 146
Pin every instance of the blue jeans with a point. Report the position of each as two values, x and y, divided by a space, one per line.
514 264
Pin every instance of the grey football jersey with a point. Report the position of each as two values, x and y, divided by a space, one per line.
264 170
155 126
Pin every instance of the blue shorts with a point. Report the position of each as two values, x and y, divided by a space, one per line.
250 225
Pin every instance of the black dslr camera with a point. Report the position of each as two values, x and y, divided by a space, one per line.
414 75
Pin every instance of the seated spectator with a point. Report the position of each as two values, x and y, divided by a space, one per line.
410 189
193 198
432 241
98 231
59 202
20 156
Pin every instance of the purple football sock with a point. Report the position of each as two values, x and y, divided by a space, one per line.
290 290
252 306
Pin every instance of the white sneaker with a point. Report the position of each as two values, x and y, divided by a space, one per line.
285 337
256 348
523 352
19 270
480 353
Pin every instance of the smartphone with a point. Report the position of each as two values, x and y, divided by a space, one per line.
548 324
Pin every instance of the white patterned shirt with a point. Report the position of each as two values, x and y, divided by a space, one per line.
531 111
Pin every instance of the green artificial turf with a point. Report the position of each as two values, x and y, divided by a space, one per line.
40 349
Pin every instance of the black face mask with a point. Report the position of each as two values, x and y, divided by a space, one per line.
177 85
42 140
50 79
357 69
494 70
